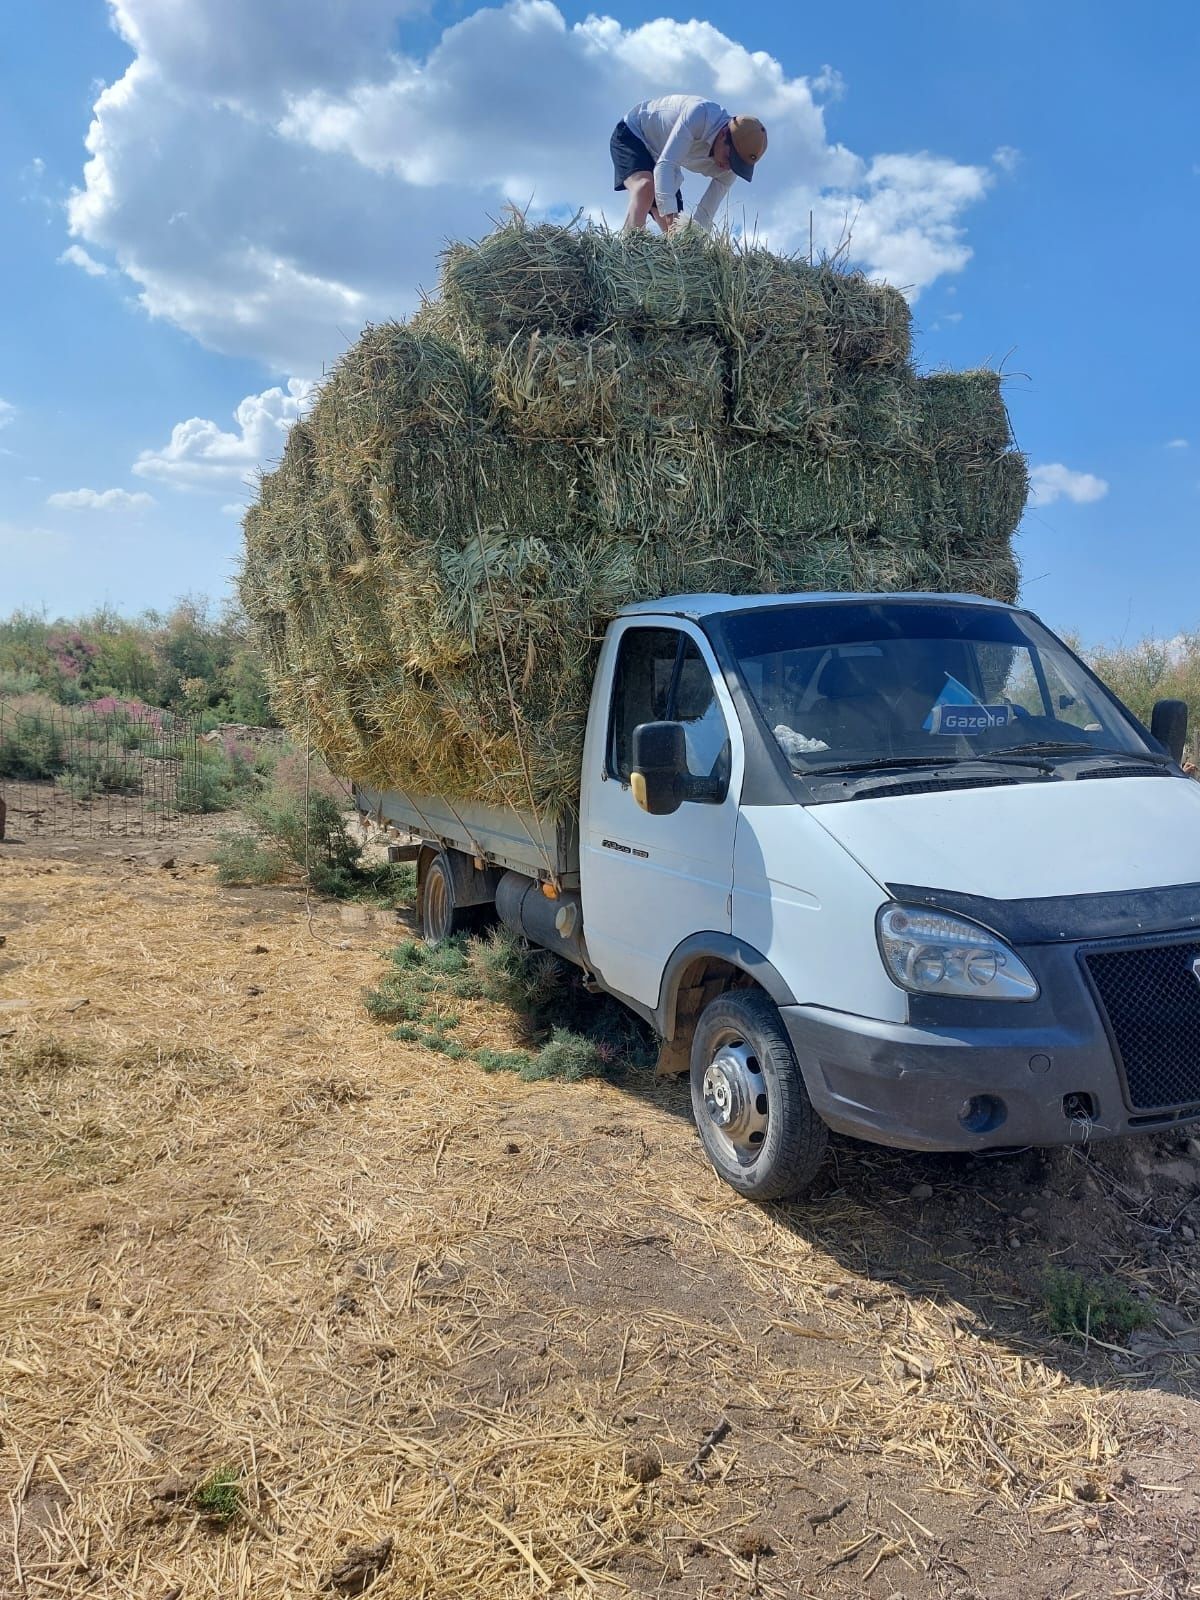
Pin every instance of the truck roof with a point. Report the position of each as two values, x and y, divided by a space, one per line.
706 605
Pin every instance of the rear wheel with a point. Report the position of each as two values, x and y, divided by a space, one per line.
441 915
752 1110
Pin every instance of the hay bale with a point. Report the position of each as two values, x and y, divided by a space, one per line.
965 412
782 297
644 282
395 376
784 387
869 323
984 498
881 408
579 421
518 279
547 386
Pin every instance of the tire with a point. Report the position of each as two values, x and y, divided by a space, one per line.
441 916
752 1111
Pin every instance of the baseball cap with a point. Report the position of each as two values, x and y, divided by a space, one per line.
747 145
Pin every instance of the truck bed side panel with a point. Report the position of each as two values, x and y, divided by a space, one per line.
534 845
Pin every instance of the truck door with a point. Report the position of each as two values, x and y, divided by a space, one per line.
648 882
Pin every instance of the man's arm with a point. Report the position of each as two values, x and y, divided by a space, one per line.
668 173
711 200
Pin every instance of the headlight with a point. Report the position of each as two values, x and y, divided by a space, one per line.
931 952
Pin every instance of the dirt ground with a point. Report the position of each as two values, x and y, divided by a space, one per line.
452 1335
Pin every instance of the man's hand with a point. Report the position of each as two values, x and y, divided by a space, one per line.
669 219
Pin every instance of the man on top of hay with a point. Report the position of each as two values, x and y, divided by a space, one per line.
658 138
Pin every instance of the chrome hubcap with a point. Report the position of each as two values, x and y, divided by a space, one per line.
735 1100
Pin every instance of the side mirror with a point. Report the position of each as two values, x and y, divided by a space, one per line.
659 775
1168 724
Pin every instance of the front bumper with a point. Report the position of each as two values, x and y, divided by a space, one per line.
905 1085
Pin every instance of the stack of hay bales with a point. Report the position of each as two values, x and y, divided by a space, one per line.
580 420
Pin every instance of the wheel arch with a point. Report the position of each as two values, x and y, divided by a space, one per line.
473 886
703 960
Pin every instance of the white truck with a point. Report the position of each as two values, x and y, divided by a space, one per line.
894 865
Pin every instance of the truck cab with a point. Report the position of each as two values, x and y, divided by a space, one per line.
898 866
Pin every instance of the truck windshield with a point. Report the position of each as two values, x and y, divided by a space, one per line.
854 684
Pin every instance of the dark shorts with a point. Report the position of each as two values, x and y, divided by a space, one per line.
630 155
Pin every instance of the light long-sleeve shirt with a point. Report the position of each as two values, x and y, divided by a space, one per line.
678 130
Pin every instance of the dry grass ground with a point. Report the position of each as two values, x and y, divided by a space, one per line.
288 1308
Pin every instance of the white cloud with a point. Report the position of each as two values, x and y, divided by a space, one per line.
202 455
235 508
261 172
99 500
1177 444
76 256
829 83
255 56
7 412
1007 158
1055 482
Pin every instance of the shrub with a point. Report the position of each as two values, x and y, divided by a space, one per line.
89 775
513 973
219 1496
589 1035
288 836
31 747
1077 1307
203 787
245 858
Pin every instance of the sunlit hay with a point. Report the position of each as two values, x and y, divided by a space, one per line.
552 387
643 282
869 323
519 278
965 412
255 1240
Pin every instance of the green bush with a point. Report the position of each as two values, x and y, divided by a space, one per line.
219 1496
149 658
89 775
31 747
1151 670
573 1034
203 787
513 973
245 858
567 1056
290 834
1077 1307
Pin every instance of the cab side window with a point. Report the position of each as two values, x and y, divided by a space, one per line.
662 677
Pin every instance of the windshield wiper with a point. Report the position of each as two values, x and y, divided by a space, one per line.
1150 759
1055 747
1073 747
879 763
941 764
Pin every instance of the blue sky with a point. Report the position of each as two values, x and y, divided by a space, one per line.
266 177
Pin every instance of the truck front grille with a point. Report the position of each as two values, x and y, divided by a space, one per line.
1150 996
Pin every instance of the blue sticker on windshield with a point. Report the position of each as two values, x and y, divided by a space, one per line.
953 694
968 719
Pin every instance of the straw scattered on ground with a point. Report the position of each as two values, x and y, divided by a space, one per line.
282 1298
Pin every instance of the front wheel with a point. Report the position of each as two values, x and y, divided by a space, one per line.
752 1110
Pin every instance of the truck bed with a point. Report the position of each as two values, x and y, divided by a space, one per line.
537 846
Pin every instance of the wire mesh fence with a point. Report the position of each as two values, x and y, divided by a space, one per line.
112 768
